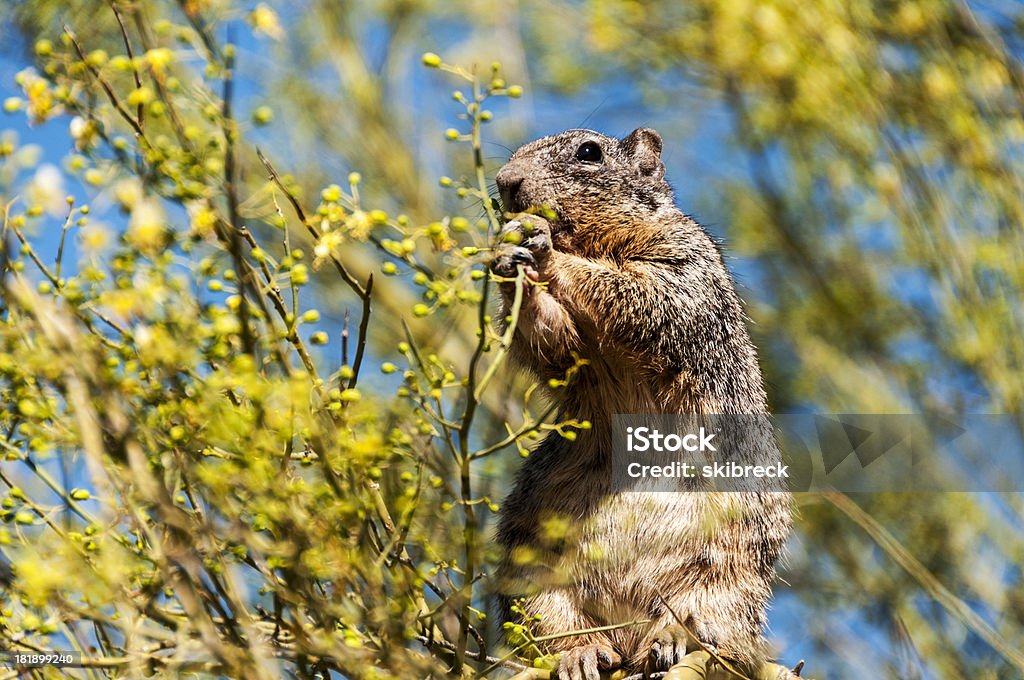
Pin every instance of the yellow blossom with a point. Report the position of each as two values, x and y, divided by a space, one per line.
147 228
159 58
265 20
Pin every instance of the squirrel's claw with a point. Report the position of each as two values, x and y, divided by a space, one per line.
508 258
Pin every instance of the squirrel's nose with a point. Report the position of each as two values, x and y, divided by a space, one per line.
509 180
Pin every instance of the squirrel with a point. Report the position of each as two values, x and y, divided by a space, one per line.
617 275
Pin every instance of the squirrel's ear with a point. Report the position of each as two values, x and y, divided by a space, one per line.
643 145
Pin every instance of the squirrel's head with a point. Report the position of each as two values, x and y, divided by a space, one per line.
588 180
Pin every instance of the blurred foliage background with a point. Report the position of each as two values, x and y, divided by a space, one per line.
199 481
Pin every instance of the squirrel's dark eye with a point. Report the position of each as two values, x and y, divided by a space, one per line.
589 152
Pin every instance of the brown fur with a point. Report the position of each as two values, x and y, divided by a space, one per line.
639 290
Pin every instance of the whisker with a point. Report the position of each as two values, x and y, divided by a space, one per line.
596 109
501 145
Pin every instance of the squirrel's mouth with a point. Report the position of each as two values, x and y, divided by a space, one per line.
510 202
513 203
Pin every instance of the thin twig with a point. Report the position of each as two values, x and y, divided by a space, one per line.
314 232
131 55
135 125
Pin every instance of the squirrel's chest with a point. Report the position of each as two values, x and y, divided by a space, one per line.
634 549
623 527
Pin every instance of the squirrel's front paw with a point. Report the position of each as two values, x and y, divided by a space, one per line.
529 231
587 662
507 259
525 240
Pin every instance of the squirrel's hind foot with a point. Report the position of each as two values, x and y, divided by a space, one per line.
587 662
668 648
